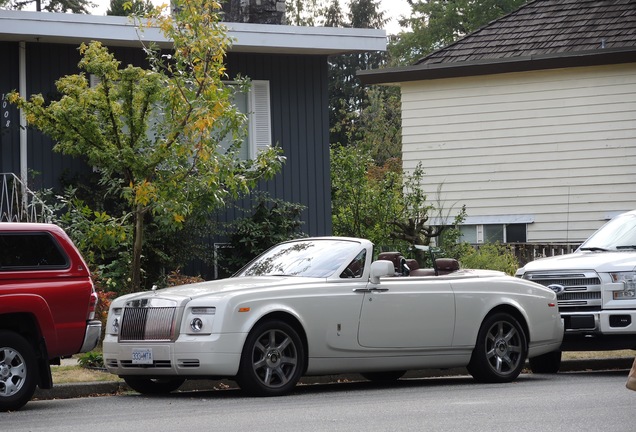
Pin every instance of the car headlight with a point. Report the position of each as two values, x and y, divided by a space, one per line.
114 321
628 280
199 320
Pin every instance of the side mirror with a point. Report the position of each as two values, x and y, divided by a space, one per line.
381 268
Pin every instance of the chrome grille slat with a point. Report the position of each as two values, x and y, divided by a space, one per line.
147 324
569 282
593 295
582 289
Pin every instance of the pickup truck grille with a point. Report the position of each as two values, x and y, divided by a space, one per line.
147 324
581 289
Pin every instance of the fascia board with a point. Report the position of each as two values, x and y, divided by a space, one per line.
120 31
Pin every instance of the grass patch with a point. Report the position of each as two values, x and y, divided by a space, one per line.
586 355
78 374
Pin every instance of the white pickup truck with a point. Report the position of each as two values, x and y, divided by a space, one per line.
595 289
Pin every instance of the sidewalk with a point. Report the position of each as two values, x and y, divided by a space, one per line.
75 390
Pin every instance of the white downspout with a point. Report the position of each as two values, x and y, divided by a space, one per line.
23 131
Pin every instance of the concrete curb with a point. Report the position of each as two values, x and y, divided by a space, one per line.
76 390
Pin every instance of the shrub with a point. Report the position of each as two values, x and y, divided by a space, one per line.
271 222
91 359
489 256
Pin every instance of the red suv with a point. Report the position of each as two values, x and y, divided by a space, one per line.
47 308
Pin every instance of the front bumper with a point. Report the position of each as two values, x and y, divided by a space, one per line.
201 356
615 321
600 330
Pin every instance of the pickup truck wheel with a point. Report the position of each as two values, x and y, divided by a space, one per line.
272 361
548 363
153 386
501 350
18 371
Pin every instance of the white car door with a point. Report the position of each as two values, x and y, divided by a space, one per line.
407 312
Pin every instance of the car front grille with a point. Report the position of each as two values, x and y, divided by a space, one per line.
580 289
148 324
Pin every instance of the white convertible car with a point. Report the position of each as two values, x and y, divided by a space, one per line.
322 306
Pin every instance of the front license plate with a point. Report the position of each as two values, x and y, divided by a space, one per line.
142 355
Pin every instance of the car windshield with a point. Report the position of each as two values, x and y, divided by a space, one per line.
305 258
617 234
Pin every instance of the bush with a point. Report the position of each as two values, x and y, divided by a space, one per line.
272 221
91 360
489 256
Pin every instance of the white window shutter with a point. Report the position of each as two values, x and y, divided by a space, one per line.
260 133
93 81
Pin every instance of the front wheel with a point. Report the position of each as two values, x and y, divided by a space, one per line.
272 361
153 386
501 350
18 371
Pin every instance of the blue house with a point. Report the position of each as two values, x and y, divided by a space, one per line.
287 105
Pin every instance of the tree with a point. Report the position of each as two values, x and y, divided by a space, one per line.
385 204
304 12
154 134
347 96
129 7
436 23
74 6
364 196
380 124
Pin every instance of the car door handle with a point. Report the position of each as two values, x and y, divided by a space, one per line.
368 290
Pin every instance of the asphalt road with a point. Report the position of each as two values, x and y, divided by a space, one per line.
575 401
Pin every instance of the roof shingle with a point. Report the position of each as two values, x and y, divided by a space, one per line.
544 27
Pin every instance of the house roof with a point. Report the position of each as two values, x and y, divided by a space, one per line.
120 31
542 34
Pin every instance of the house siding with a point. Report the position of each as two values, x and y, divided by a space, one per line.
9 120
559 145
300 127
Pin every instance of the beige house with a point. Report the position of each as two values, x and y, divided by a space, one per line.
530 121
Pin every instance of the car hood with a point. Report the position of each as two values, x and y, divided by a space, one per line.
221 287
603 262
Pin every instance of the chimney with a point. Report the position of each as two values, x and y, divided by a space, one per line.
255 11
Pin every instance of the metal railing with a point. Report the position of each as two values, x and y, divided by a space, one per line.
526 252
19 204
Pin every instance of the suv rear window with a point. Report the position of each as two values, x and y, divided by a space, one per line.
30 251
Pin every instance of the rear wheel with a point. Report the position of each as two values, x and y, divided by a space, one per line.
501 350
18 371
548 363
272 361
153 386
386 376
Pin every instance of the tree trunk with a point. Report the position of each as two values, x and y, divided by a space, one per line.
137 249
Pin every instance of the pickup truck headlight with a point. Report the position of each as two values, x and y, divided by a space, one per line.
199 320
628 279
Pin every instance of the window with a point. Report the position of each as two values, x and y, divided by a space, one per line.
34 251
356 267
255 103
493 233
491 229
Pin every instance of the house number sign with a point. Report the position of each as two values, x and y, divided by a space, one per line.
4 111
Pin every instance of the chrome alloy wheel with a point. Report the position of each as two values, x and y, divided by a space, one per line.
504 347
13 371
274 358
